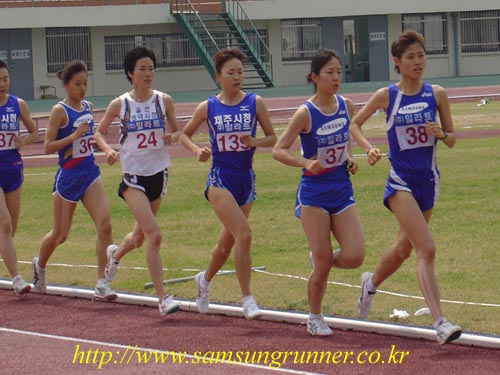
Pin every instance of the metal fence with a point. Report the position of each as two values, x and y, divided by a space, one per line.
433 27
480 31
65 44
171 50
301 38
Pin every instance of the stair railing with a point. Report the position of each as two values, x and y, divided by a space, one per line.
234 8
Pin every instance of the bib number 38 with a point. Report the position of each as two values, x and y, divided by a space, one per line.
413 136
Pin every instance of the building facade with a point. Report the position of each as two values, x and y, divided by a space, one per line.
38 37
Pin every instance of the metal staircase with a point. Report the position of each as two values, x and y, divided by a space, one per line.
211 25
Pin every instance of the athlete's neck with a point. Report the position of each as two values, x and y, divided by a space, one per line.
231 98
141 96
409 87
326 102
75 104
3 99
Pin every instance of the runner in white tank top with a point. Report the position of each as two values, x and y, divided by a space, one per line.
144 159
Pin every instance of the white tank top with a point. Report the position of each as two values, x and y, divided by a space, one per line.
142 125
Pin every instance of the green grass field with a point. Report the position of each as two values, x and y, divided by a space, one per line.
464 224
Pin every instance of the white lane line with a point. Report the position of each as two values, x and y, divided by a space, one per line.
179 356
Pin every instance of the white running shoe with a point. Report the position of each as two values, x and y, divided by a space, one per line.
104 292
366 297
318 327
447 332
202 299
38 277
251 310
168 305
112 265
20 286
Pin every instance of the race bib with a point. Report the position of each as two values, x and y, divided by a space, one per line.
413 136
7 140
227 142
333 155
148 139
83 146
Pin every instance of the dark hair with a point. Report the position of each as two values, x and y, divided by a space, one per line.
3 64
405 39
224 55
320 59
73 67
135 54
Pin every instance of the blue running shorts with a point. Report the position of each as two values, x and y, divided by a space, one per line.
72 183
331 197
11 179
423 187
241 184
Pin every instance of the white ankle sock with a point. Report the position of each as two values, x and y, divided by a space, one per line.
247 299
314 316
204 283
370 286
438 322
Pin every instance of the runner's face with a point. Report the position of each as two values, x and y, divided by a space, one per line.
231 76
330 77
143 74
4 81
412 62
77 86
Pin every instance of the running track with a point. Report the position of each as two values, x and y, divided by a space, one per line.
40 333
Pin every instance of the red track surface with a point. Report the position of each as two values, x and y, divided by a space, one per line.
111 324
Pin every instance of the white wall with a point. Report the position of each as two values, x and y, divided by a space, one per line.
104 83
473 65
257 10
15 18
269 9
153 19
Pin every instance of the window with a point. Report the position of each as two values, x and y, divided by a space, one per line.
350 44
170 49
182 52
228 39
300 38
433 27
480 31
65 44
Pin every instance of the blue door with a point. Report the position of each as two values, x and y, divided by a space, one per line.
15 50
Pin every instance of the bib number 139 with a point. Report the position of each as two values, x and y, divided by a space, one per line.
231 142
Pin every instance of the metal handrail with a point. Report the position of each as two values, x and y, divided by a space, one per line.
234 7
190 11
